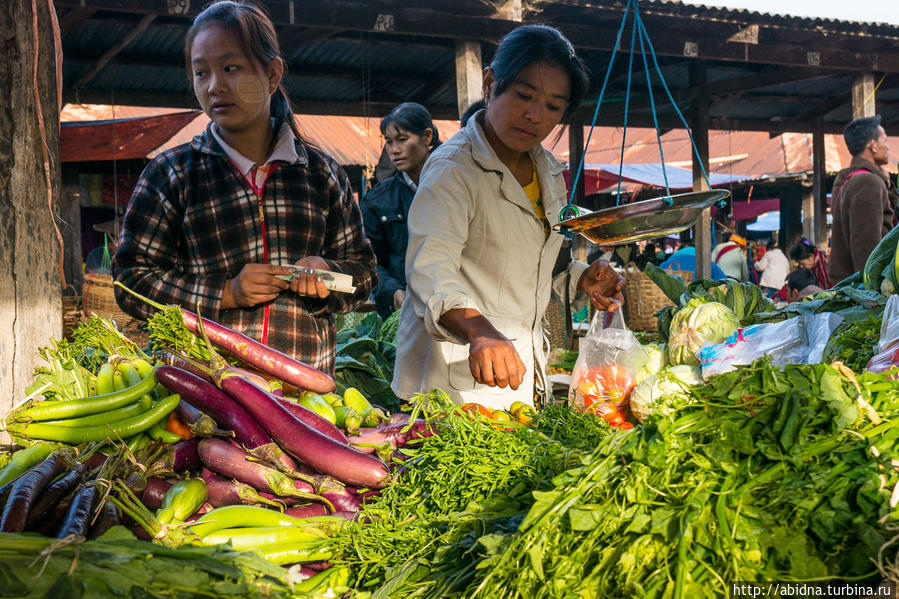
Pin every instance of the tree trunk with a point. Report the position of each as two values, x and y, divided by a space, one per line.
30 286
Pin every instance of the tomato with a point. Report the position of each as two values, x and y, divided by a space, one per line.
625 426
611 383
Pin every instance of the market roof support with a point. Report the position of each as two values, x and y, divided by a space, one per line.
863 95
575 152
699 126
469 80
819 187
30 286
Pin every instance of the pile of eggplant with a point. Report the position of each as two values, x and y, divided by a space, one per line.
224 457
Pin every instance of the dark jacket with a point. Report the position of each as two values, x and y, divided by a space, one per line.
862 215
384 212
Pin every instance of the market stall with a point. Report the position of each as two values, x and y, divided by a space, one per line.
740 442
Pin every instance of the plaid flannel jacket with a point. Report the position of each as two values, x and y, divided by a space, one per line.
194 221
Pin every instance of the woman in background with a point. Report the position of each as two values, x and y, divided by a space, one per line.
409 136
808 256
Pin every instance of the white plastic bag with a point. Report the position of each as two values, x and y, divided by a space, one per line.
609 358
886 352
797 340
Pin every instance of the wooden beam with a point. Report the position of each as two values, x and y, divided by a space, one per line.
189 101
819 186
115 49
699 125
73 18
863 95
469 78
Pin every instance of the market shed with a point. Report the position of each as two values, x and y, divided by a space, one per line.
726 69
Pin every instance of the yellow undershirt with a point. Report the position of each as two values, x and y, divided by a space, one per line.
532 190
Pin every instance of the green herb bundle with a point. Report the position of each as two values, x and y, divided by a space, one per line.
768 476
464 489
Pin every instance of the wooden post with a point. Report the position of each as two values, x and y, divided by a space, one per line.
863 95
575 151
30 287
808 214
469 78
699 117
790 215
819 187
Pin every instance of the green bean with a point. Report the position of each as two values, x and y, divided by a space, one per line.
248 515
122 429
138 407
158 432
250 537
24 459
59 410
292 553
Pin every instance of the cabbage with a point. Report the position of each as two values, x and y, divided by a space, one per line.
669 388
658 359
696 324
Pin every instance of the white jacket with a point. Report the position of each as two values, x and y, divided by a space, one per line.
774 267
475 242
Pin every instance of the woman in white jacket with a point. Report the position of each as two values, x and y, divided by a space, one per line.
774 267
481 255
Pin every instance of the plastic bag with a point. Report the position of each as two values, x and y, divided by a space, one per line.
798 340
609 358
886 352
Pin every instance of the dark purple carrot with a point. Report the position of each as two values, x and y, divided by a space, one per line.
231 462
222 492
109 517
312 419
25 492
53 494
308 445
211 400
78 518
154 493
257 355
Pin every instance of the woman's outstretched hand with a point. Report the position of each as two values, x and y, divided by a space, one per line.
603 285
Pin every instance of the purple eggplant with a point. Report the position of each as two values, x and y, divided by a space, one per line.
229 461
210 400
311 419
306 444
308 510
154 493
222 492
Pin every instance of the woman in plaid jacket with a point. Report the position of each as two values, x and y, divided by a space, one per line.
212 224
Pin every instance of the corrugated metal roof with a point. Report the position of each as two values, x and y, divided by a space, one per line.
767 18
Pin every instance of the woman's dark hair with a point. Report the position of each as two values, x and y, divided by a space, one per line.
859 132
537 43
414 118
771 244
800 279
258 38
802 250
469 112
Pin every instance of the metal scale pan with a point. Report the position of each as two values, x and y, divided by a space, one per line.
649 219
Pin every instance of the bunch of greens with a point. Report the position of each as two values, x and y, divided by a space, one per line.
464 489
167 332
769 475
853 342
848 302
118 565
72 363
365 361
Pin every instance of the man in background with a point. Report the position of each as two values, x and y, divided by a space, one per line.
730 256
860 202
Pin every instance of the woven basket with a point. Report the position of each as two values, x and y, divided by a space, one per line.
71 314
643 298
98 295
